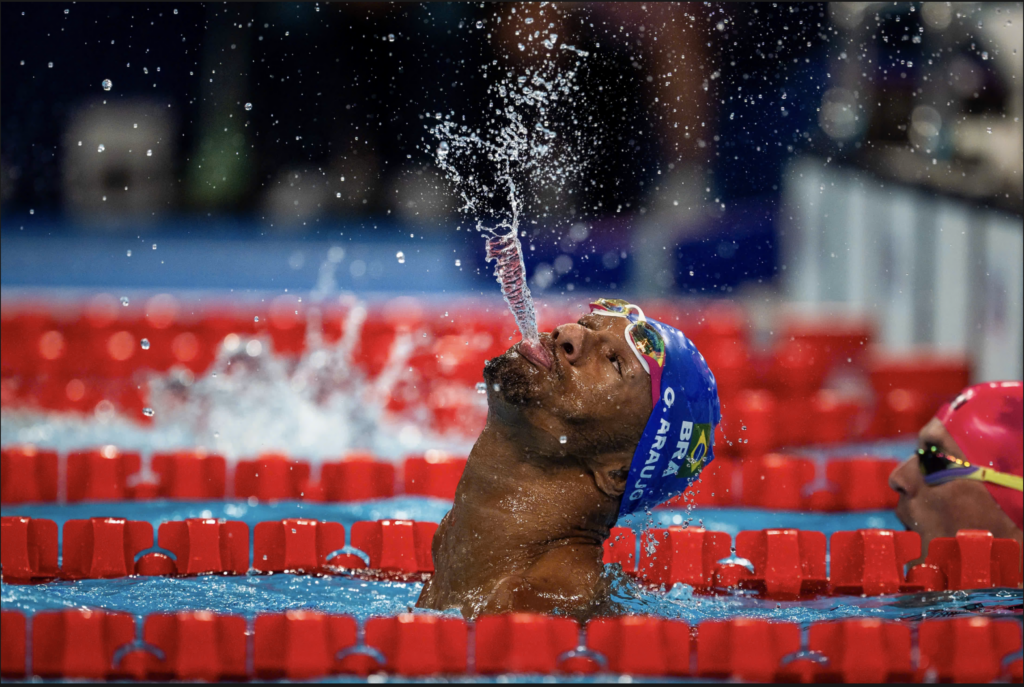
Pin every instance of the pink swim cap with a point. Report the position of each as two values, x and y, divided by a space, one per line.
987 422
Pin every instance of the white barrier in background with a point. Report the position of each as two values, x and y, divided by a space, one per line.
932 272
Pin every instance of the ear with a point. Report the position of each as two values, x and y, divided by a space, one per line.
611 480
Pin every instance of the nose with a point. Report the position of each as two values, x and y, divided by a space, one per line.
905 477
570 338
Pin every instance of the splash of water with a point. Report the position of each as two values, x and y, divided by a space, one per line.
528 141
315 407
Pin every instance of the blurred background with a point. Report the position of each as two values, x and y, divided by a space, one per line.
854 161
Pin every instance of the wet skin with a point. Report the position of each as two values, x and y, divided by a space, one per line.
941 510
531 512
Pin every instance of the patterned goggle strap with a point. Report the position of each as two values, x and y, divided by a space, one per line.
938 468
647 344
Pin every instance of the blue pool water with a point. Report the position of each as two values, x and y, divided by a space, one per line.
252 594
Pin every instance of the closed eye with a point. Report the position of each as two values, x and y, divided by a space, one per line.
616 362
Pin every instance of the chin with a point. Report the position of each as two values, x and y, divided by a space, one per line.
514 376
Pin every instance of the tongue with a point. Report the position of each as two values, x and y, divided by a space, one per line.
536 352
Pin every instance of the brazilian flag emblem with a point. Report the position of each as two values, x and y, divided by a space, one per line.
700 447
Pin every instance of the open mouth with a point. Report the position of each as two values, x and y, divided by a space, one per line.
537 353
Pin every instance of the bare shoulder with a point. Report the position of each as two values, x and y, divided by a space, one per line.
563 580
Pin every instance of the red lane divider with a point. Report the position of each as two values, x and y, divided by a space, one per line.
745 649
103 547
299 545
788 564
620 547
13 644
70 364
974 559
358 476
190 475
417 645
858 484
27 475
770 481
755 412
871 562
100 474
299 645
433 474
271 476
682 554
80 644
642 645
523 642
967 649
713 488
28 549
863 650
776 482
205 545
396 546
305 645
196 646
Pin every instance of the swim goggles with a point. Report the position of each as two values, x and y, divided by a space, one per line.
646 342
938 468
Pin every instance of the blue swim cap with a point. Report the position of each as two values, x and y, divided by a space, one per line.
679 438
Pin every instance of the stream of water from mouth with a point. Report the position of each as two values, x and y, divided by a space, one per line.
526 143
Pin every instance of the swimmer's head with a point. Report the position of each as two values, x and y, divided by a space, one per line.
966 471
628 396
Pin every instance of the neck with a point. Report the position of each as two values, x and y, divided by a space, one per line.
514 505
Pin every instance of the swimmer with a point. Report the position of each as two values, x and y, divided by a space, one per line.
966 472
607 416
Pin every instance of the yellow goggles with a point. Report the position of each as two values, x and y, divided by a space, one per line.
645 341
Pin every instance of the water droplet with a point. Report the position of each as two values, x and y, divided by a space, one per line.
145 344
148 412
458 263
563 439
149 153
256 319
248 107
529 20
442 148
67 11
49 65
124 301
107 84
988 129
401 257
175 11
479 24
481 387
391 38
154 246
129 252
100 148
338 194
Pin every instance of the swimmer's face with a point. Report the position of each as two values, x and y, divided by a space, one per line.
942 509
596 394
